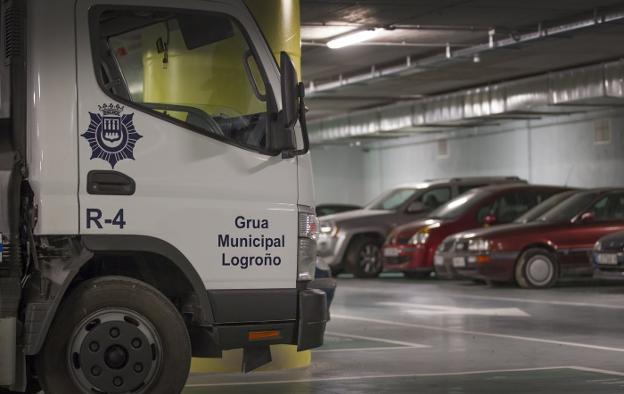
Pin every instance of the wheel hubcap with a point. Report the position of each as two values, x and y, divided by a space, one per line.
114 351
370 258
539 270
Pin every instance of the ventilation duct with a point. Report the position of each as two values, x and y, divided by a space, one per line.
597 85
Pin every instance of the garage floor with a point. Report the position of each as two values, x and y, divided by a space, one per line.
396 336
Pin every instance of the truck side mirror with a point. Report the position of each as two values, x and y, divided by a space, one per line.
290 91
587 217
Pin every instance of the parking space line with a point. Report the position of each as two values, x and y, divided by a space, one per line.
380 376
377 339
598 370
549 302
480 333
368 349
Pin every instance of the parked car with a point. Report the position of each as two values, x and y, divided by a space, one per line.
537 254
330 209
608 257
410 248
449 253
352 240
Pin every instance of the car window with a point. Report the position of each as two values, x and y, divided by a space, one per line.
195 69
461 189
393 199
610 207
460 205
509 206
545 206
569 208
433 198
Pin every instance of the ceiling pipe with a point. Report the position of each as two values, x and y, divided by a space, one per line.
551 94
388 44
419 65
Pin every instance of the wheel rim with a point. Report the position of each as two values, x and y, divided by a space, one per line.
114 351
370 258
540 270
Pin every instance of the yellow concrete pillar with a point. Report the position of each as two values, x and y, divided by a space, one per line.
280 21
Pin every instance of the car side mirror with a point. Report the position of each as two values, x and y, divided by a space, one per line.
490 220
416 207
587 217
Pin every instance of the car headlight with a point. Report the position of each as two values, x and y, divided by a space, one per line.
420 238
479 245
328 228
597 246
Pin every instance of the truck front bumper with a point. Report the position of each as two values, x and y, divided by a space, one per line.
259 318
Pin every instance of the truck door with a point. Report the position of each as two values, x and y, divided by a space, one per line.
176 104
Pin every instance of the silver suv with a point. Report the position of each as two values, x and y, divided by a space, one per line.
351 241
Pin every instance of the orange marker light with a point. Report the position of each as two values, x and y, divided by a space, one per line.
263 335
483 259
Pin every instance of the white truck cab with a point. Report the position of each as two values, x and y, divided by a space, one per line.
156 195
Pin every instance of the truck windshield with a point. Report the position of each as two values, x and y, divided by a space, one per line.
197 69
568 209
392 199
458 206
547 205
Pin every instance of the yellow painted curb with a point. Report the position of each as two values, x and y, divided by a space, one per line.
284 357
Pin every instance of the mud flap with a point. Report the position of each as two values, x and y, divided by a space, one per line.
8 333
255 356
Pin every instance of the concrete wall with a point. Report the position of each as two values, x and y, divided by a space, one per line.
555 151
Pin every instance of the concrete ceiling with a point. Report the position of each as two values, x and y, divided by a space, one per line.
431 24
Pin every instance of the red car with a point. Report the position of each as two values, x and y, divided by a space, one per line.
537 254
410 248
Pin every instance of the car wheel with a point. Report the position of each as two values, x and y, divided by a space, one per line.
416 275
536 269
364 258
115 335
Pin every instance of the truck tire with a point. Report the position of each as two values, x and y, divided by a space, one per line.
536 268
115 335
364 257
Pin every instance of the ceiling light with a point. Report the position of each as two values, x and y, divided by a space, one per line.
352 38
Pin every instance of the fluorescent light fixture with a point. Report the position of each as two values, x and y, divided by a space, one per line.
352 38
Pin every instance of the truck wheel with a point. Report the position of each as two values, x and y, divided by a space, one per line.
536 269
364 257
115 335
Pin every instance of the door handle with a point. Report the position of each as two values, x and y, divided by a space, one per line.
110 183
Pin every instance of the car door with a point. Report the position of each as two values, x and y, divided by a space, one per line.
606 216
174 111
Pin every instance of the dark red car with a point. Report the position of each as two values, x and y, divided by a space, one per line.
537 254
410 248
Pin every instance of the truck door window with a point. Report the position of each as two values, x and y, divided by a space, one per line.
195 69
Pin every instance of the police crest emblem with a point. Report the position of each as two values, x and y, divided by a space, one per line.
111 134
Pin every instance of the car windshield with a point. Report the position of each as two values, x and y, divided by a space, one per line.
569 208
460 205
547 205
392 199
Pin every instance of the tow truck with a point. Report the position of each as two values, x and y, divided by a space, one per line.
156 198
